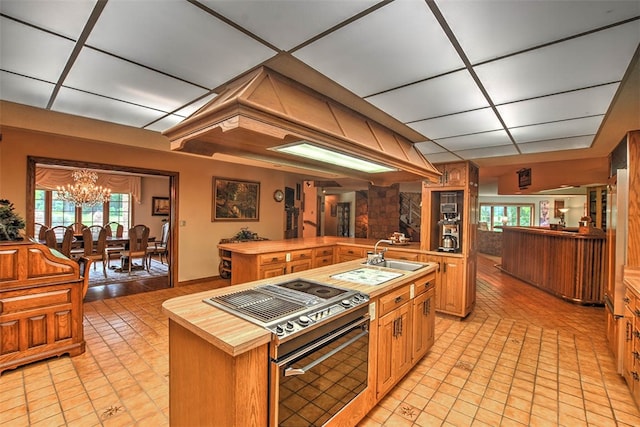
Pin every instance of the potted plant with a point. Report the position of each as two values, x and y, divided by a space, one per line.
10 222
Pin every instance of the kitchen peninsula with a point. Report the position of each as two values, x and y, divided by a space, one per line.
220 363
567 264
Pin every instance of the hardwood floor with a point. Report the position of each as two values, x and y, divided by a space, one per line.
120 289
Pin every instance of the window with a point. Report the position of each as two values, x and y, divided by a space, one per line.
496 215
52 211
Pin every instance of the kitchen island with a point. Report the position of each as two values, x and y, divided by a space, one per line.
219 362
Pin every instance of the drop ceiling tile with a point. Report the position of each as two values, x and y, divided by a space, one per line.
189 109
556 130
451 93
101 108
481 153
24 90
428 147
284 23
466 142
30 52
165 123
572 143
64 17
397 44
443 158
489 29
106 75
458 124
569 105
177 38
602 57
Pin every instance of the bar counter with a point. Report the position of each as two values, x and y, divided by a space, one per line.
566 264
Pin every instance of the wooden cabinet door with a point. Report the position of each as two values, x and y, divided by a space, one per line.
452 289
455 175
272 270
423 333
628 356
300 265
394 351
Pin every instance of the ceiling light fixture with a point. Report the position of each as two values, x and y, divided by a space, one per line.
84 190
313 152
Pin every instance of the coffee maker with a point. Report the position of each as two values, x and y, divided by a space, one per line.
449 224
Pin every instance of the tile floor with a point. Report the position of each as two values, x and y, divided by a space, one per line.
521 358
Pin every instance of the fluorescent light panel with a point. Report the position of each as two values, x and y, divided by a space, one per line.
313 152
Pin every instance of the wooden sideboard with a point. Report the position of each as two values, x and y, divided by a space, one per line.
41 312
566 264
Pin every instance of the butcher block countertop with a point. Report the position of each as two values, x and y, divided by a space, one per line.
267 246
234 335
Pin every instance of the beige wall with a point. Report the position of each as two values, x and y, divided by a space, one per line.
197 234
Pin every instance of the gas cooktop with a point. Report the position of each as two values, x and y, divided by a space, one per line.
288 308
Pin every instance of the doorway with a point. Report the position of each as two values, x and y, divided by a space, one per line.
34 162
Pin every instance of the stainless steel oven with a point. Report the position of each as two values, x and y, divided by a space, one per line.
319 350
312 383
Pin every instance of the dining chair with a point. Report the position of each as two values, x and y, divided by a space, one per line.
50 238
138 243
114 229
59 231
67 248
76 227
40 230
161 247
95 252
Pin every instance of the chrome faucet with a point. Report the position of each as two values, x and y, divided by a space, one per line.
378 257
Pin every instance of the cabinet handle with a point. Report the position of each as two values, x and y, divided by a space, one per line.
398 299
637 312
426 307
636 334
626 300
628 331
426 285
445 267
397 327
275 258
636 355
635 376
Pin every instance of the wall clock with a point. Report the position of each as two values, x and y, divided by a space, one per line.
278 195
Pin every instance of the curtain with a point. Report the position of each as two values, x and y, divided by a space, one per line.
51 178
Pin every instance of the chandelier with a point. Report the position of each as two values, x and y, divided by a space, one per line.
84 190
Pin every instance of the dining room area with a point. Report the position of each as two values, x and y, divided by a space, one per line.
118 220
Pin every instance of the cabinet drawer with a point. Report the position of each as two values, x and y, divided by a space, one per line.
352 251
17 303
394 299
630 300
324 252
407 256
322 261
301 255
423 284
273 258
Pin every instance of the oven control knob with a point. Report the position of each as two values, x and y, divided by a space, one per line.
279 331
304 320
346 303
289 326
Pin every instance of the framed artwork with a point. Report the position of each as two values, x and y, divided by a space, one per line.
160 206
557 205
524 178
544 213
235 200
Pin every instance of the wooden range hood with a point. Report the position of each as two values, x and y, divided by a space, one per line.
264 109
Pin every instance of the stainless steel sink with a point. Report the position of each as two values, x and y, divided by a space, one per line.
398 265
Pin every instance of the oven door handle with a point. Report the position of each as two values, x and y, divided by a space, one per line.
290 372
